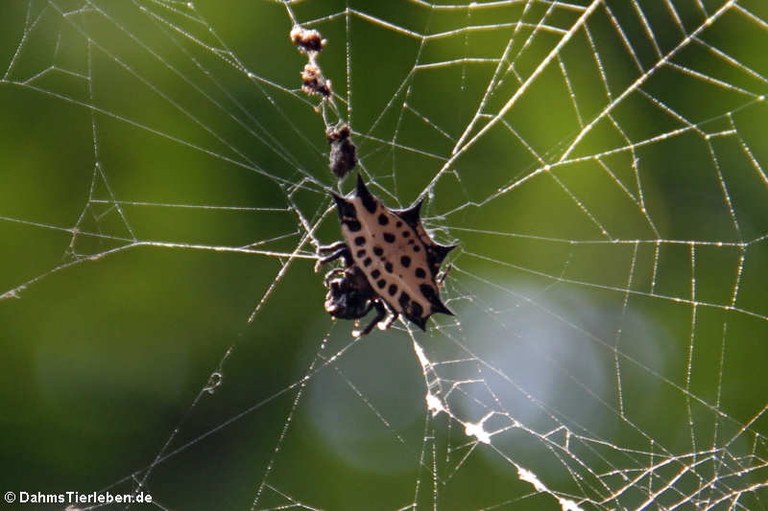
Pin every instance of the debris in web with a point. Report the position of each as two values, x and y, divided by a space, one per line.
478 431
343 155
313 81
310 42
307 40
342 158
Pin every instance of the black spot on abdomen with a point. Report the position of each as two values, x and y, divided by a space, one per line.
389 237
420 273
360 241
353 225
405 261
392 289
383 220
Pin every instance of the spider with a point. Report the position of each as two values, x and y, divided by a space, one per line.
390 263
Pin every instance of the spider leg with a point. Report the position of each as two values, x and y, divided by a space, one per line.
442 275
336 272
381 313
391 317
388 322
327 249
335 251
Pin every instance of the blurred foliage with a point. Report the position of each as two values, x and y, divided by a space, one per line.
110 343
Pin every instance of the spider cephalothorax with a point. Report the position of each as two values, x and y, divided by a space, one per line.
349 294
390 263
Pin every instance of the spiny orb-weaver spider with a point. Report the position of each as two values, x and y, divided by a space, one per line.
390 263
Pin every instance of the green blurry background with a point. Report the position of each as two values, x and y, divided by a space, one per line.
149 151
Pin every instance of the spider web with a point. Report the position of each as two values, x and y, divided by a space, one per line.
601 164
